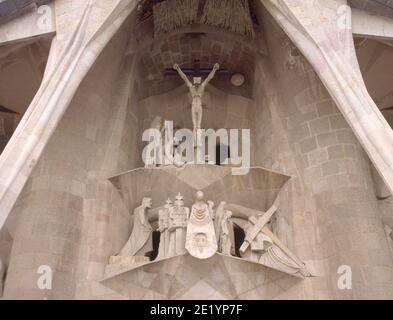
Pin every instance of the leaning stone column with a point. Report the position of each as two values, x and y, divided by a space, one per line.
343 226
64 74
321 31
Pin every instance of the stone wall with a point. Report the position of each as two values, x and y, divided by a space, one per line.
386 201
221 110
330 203
8 124
196 50
10 9
68 207
71 218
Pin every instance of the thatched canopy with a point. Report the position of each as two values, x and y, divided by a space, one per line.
169 15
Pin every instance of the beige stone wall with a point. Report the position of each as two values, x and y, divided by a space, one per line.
22 66
40 22
71 218
221 110
68 207
330 203
386 203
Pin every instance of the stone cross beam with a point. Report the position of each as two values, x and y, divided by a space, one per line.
197 71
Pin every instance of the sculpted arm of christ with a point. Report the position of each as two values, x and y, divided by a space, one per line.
211 76
197 89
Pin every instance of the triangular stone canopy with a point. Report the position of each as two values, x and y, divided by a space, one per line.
176 278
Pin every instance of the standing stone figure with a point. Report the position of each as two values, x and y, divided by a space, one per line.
226 241
163 228
197 91
201 239
141 239
224 230
178 219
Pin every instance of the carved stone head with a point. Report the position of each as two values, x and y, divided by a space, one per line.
200 241
222 205
179 200
197 81
147 203
199 196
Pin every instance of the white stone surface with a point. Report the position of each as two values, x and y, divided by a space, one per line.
40 23
368 25
201 240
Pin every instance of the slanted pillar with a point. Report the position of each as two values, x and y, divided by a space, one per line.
322 31
68 64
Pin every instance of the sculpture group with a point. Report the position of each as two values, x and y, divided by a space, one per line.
203 231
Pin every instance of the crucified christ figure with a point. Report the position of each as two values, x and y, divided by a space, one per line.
197 90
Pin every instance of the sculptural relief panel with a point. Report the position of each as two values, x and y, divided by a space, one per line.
203 230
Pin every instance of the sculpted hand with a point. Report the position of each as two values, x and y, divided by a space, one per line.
216 66
176 66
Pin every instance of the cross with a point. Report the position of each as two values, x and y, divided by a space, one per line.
259 224
197 71
260 220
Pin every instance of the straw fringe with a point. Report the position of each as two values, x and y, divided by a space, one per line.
232 15
173 14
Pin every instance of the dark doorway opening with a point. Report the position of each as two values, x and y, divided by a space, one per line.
239 238
156 244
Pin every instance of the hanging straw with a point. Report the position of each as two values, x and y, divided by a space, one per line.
232 15
172 14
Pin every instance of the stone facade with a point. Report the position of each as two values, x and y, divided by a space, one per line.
67 202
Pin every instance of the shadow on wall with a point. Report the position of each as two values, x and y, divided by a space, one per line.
9 120
5 250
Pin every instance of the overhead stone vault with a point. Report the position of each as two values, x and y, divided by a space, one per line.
310 80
